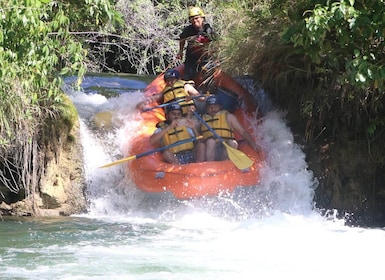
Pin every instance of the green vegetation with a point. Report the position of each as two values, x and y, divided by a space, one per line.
343 43
36 48
326 54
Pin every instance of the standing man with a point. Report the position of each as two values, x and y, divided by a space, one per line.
198 35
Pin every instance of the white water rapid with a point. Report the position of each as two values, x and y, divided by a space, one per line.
271 231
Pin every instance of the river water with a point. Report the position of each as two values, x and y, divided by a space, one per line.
270 231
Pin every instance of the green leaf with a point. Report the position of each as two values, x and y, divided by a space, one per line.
360 77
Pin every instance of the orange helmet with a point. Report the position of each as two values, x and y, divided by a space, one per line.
195 11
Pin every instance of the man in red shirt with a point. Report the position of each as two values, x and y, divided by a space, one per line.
197 35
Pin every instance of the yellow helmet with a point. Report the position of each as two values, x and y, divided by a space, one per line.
195 11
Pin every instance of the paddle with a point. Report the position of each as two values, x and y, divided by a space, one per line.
151 151
173 102
240 160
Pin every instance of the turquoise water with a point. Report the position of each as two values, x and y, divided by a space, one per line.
195 246
60 248
270 231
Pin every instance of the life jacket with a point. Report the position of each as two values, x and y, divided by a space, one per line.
219 123
177 92
175 135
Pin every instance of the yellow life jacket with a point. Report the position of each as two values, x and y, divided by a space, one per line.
219 123
178 134
177 92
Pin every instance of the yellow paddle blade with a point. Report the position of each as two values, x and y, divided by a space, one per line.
118 161
240 160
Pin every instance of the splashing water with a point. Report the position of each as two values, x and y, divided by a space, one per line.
269 231
286 185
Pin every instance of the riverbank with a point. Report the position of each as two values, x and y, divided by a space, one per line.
61 186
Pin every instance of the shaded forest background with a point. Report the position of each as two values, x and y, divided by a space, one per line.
321 61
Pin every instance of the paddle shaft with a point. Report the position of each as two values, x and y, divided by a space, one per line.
240 160
168 103
209 127
152 151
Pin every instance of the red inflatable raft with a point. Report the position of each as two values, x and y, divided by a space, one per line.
151 174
